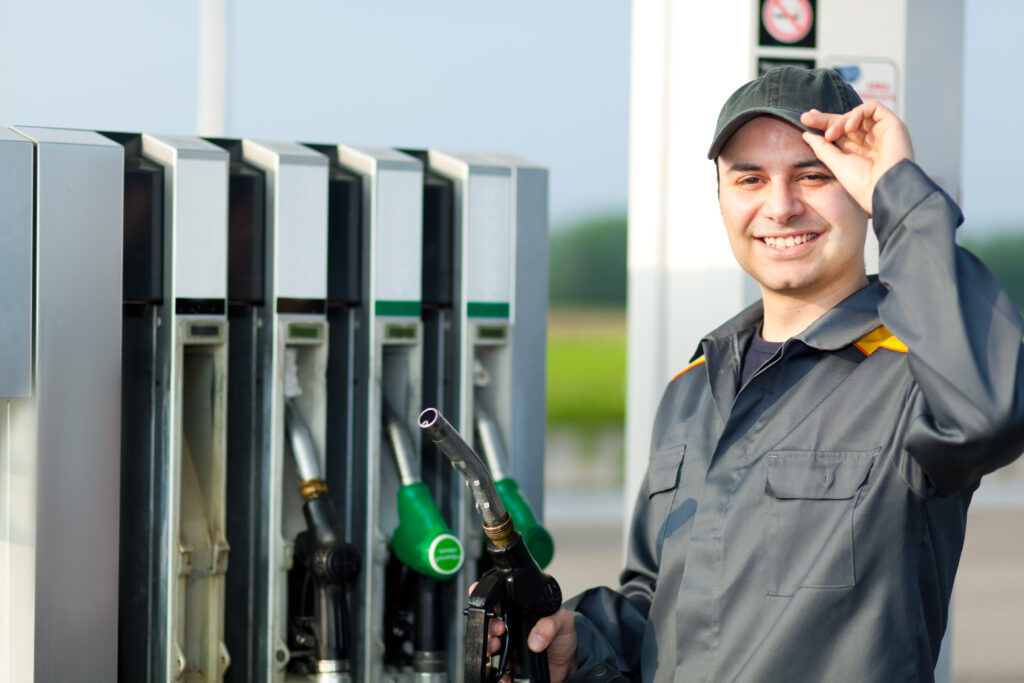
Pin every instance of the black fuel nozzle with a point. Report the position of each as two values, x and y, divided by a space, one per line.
514 589
332 566
321 620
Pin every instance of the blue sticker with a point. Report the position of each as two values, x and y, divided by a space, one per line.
849 72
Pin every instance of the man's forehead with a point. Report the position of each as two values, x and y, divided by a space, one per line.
766 134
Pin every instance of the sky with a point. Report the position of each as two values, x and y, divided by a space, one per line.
548 81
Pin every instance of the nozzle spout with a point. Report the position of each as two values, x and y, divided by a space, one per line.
469 465
303 448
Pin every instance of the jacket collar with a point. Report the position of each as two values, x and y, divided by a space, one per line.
847 321
843 324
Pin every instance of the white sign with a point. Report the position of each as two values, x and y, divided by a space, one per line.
873 79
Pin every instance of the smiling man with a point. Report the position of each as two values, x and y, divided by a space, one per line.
811 469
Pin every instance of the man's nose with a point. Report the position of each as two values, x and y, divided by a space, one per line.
783 204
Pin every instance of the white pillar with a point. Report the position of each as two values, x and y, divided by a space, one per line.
211 103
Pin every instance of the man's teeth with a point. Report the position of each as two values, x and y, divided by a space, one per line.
789 242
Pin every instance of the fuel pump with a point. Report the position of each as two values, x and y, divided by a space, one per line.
407 544
499 217
308 565
245 582
425 553
174 545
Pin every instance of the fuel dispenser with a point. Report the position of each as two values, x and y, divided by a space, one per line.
408 546
307 566
498 239
174 546
247 472
284 313
60 331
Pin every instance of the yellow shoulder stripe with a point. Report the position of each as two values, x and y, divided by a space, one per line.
879 338
691 366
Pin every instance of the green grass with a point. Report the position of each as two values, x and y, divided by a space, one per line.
586 368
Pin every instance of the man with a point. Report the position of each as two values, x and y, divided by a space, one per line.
804 508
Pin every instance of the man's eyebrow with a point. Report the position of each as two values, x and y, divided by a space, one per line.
810 163
749 167
744 167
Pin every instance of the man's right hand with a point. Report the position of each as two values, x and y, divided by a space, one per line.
556 634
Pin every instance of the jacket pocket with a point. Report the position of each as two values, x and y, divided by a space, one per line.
812 496
663 473
663 470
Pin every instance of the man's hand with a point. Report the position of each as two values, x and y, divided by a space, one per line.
859 146
556 634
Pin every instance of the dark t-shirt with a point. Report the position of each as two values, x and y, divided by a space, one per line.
757 354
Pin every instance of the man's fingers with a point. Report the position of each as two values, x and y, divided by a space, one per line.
546 628
543 632
823 149
816 119
496 627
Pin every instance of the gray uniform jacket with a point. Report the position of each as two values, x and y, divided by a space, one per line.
808 526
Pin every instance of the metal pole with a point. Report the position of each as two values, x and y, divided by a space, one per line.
211 101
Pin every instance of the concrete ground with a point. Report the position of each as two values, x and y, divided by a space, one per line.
988 599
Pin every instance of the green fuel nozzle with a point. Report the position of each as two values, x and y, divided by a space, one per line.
536 537
422 541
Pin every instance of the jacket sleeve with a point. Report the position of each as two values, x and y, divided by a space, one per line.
964 335
610 624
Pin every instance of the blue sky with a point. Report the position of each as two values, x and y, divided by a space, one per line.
544 80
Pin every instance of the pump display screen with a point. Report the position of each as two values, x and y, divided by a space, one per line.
296 331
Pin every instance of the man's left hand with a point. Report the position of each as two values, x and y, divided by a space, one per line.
859 146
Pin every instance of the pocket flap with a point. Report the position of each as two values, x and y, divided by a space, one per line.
663 470
817 475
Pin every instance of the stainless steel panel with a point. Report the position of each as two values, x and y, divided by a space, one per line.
79 185
297 208
15 265
529 354
196 205
393 212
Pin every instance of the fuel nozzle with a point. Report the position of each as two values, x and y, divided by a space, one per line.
331 563
536 537
514 588
422 540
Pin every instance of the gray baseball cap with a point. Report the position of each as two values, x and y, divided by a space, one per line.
785 92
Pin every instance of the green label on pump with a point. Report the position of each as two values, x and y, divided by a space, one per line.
446 554
402 308
486 309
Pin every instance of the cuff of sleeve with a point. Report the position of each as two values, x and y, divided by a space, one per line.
897 193
595 658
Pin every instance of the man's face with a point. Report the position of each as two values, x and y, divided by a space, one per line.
791 225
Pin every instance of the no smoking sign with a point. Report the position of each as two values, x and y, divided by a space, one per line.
787 23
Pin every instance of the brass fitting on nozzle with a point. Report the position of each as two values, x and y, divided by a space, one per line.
503 534
313 488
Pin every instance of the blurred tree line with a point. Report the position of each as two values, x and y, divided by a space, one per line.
588 262
1003 253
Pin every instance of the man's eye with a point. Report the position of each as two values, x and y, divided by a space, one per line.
748 180
817 177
